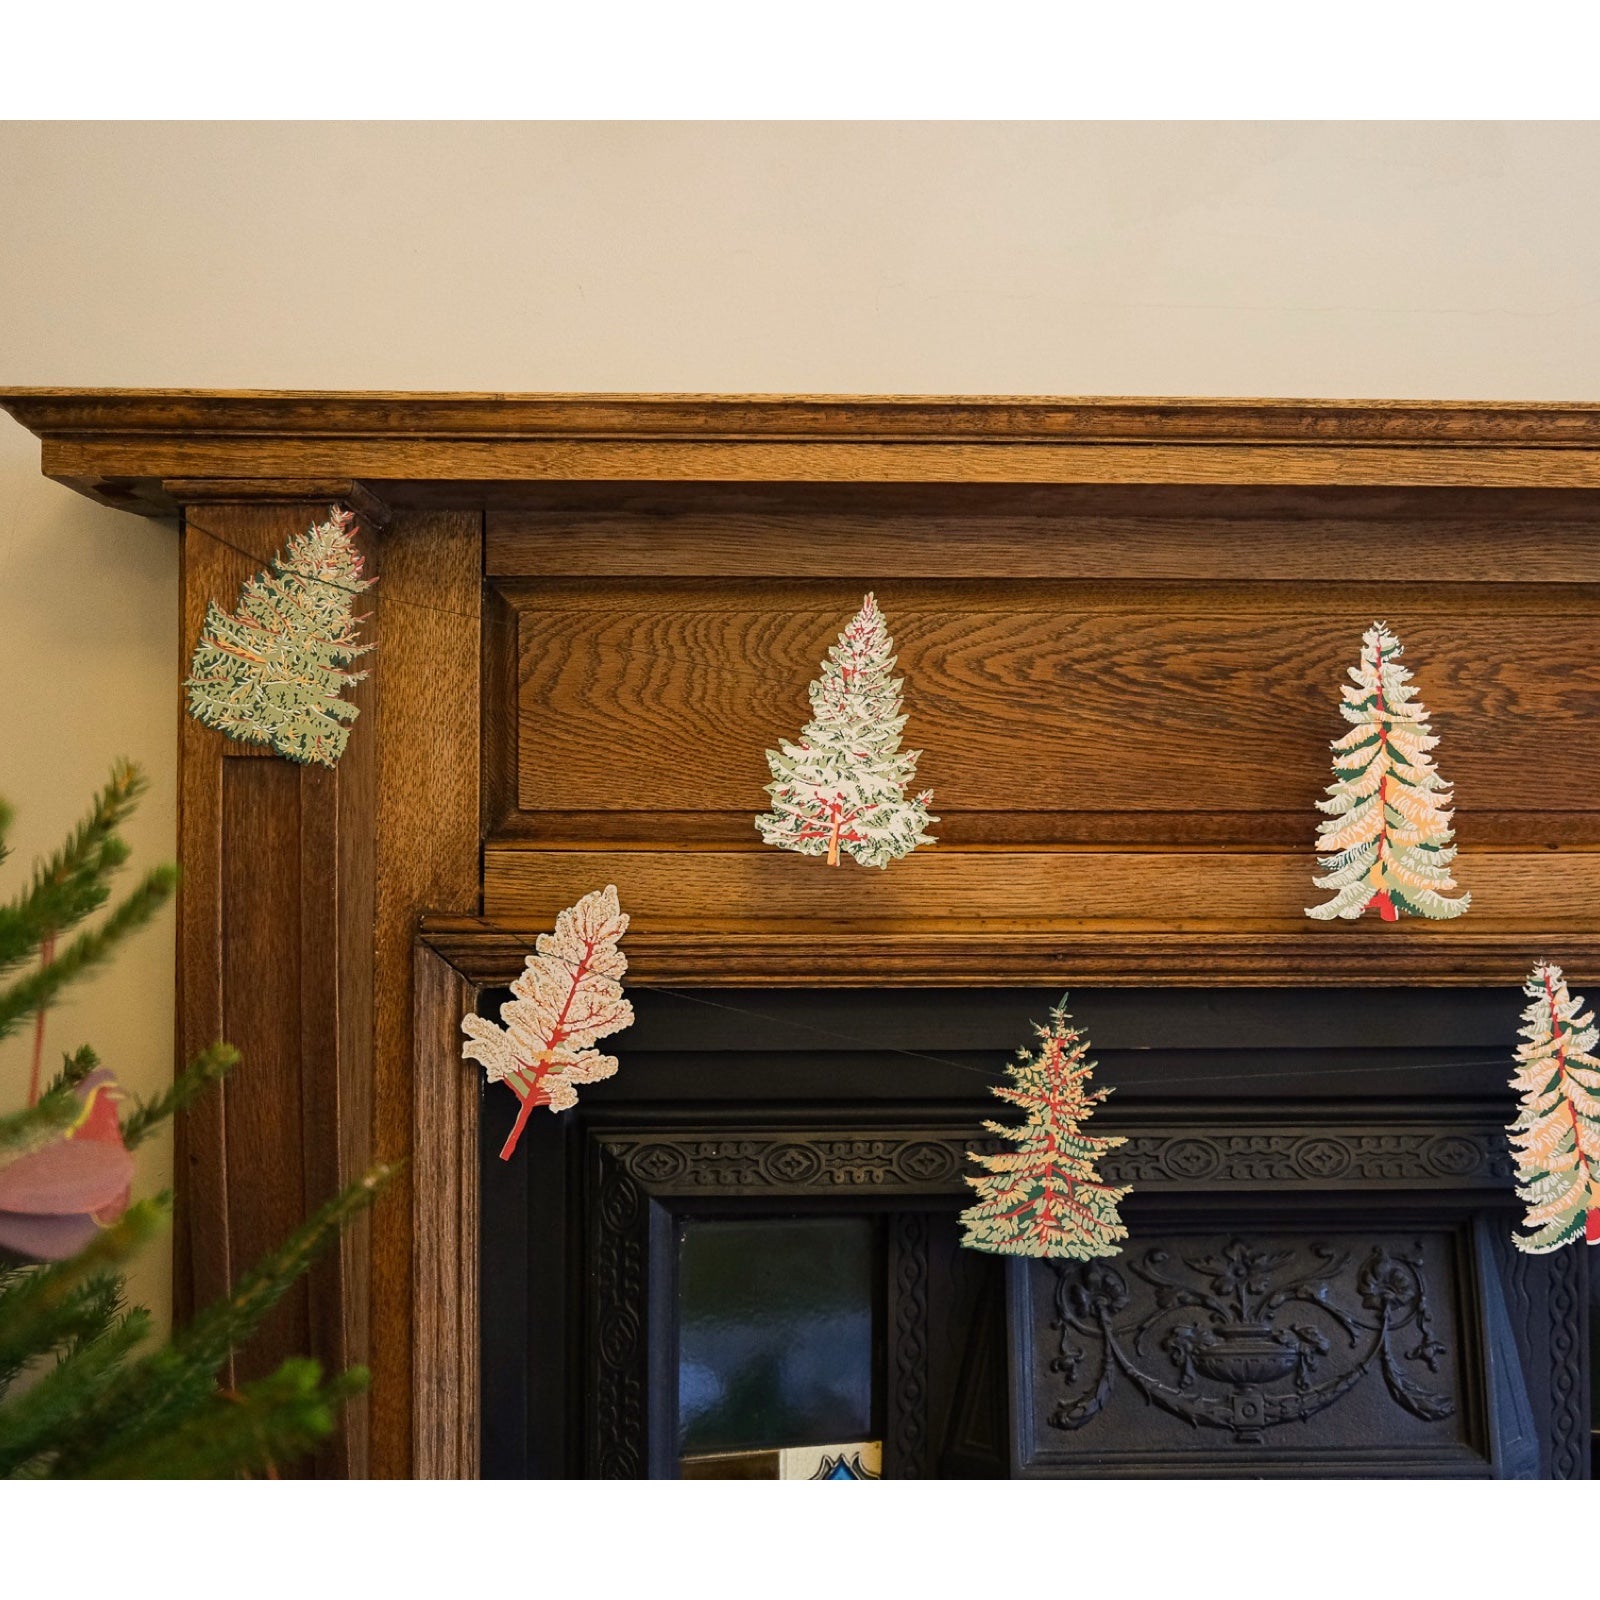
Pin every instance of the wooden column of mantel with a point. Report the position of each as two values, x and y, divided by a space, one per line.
1123 549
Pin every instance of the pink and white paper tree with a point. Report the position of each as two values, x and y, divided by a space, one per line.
568 995
1386 840
842 789
1556 1137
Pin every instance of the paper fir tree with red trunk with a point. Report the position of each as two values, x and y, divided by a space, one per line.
842 789
274 672
568 995
1044 1197
1556 1137
1387 841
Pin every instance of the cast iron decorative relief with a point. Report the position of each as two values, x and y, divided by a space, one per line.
932 1161
1246 1338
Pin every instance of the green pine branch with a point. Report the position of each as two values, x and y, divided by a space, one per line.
45 1308
274 1419
34 1127
72 883
87 1312
156 1395
48 1417
39 989
209 1067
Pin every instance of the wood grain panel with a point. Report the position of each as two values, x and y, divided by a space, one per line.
1050 697
815 544
262 994
663 890
429 605
278 872
445 1372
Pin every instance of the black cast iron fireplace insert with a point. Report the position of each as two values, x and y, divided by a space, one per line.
742 1251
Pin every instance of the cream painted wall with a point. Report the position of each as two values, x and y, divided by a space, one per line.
1380 260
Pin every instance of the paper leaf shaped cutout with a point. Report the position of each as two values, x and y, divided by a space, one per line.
567 996
1556 1138
1387 840
1045 1197
273 673
842 788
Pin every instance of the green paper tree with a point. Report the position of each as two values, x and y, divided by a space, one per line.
1556 1137
274 672
1387 840
842 788
1045 1196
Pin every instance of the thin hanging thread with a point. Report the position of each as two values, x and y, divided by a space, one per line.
827 1033
345 588
996 1077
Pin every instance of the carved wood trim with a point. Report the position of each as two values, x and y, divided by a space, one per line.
445 1397
493 951
427 829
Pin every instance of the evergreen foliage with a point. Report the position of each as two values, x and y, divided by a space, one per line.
1556 1137
83 1392
1045 1197
1387 840
274 672
842 788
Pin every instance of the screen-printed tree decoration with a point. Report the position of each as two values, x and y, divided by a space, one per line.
842 788
1386 841
1556 1137
273 673
567 996
1045 1197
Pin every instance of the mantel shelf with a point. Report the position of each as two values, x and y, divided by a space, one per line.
124 447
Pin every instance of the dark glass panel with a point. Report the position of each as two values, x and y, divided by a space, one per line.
775 1332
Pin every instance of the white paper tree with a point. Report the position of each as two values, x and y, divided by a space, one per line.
842 788
567 996
1387 839
1556 1138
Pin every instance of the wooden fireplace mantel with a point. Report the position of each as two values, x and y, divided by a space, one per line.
1122 624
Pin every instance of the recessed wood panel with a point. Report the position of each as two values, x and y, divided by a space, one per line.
261 1011
1109 699
1495 546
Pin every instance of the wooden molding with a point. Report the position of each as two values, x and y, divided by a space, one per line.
131 448
318 492
490 951
445 1263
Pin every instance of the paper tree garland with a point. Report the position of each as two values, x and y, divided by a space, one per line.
274 672
1387 840
842 788
567 996
1556 1138
1044 1198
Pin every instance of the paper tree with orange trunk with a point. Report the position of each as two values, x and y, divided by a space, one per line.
1556 1138
567 996
1045 1197
842 789
274 672
1387 840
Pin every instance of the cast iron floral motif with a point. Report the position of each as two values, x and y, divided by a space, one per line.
1270 1346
